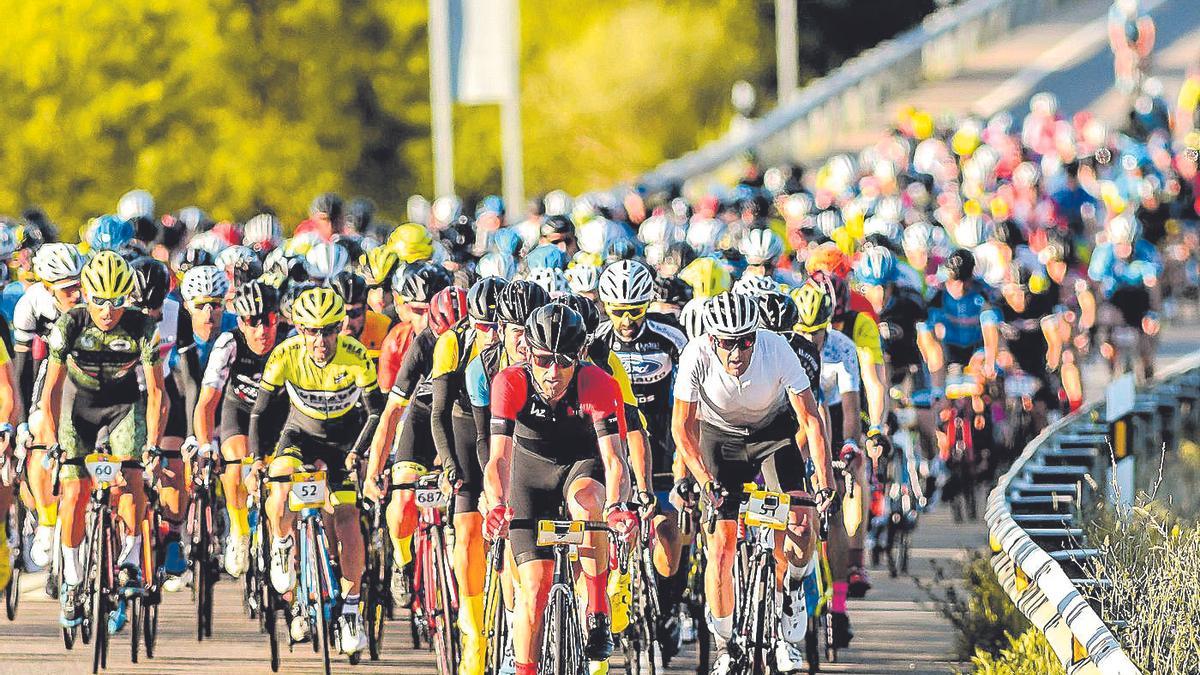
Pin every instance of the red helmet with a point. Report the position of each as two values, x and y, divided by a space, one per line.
447 308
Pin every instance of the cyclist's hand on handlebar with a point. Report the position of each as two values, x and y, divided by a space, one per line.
878 443
374 489
623 520
829 501
495 525
646 502
189 448
151 457
352 462
715 493
253 478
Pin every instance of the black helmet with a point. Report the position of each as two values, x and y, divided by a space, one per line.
672 291
518 299
151 283
620 249
421 281
557 329
679 255
194 257
255 298
289 296
350 286
359 213
1007 232
483 297
287 268
960 266
557 225
329 203
585 308
777 312
245 270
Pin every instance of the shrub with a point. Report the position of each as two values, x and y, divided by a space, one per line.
977 606
1029 654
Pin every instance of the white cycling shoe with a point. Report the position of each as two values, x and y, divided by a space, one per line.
43 546
237 555
283 574
352 638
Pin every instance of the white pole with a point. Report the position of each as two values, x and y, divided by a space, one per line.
787 49
439 98
511 143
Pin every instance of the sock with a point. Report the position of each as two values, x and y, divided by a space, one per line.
71 572
779 601
350 604
801 573
47 515
597 593
722 627
470 616
838 604
239 521
402 546
3 533
526 669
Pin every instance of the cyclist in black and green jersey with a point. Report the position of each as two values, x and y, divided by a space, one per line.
95 352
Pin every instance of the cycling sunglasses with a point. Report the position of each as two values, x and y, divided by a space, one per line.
546 359
207 303
116 303
743 342
634 312
355 312
259 321
485 326
326 331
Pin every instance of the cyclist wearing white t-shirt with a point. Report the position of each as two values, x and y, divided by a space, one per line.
740 395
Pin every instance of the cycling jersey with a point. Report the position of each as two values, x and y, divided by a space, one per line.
104 360
374 333
232 362
391 354
321 392
1023 334
865 333
810 356
35 313
412 382
459 436
1113 273
902 312
839 368
962 319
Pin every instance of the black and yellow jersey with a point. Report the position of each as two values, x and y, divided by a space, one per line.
452 352
322 392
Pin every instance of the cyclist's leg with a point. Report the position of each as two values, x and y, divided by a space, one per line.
470 560
721 452
76 435
234 448
126 439
414 455
175 484
40 481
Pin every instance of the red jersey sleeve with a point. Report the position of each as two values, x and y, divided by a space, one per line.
600 398
510 389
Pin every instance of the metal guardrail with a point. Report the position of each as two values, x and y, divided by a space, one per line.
842 100
1035 513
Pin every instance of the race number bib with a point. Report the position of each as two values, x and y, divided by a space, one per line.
554 532
103 468
308 491
768 509
430 498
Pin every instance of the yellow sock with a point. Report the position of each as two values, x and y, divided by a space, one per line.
402 546
470 615
3 533
239 521
48 515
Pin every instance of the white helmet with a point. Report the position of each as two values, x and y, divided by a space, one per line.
325 260
56 261
135 204
551 279
231 255
660 230
205 281
691 317
755 285
447 209
416 210
594 235
626 282
971 231
761 246
729 315
264 231
557 203
208 241
1123 230
918 237
888 227
703 235
583 278
496 264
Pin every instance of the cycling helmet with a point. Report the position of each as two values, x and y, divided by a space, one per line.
557 202
583 278
231 255
703 235
755 285
483 298
672 291
1058 248
359 213
691 317
826 222
761 247
517 300
960 266
620 249
917 237
586 309
325 260
1123 230
135 204
626 282
350 286
206 281
411 242
506 241
416 209
546 255
151 283
446 209
1020 275
8 240
193 257
887 228
777 312
419 282
707 277
208 241
255 298
327 203
262 233
107 276
288 298
814 306
1008 233
971 231
302 243
551 279
447 308
827 258
556 328
877 266
317 308
730 315
378 265
110 233
497 265
57 262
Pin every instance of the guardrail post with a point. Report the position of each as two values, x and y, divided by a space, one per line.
1119 411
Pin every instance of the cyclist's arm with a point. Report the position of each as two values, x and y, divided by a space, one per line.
931 351
187 379
685 421
990 322
24 366
155 410
445 380
52 391
1051 329
809 414
8 398
1087 307
600 393
206 414
509 392
266 410
385 434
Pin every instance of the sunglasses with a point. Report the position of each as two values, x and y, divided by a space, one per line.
326 331
259 321
545 360
419 310
355 312
634 312
729 344
485 326
212 304
116 303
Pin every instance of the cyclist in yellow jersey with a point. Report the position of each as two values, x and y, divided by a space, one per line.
324 375
7 461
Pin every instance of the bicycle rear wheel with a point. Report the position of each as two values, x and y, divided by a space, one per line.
150 627
135 627
493 610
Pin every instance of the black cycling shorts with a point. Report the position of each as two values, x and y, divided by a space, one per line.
1133 302
416 437
176 426
538 491
735 459
469 462
233 419
328 441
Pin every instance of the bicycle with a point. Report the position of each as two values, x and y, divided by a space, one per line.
640 638
818 592
270 606
153 529
12 472
693 601
204 539
435 591
562 634
958 449
376 591
495 616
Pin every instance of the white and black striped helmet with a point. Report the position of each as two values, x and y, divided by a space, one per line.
691 317
730 315
55 262
761 246
626 282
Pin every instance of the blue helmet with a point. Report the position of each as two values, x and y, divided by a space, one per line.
110 233
505 240
547 255
877 266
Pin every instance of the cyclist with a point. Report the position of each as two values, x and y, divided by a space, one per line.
325 375
1127 269
227 395
95 351
378 266
555 442
962 321
58 267
1077 305
763 249
365 325
8 415
413 286
739 395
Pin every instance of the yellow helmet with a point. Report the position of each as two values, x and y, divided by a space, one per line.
318 308
707 277
378 264
411 242
107 276
815 305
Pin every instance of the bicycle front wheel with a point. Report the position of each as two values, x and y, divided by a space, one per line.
440 598
562 636
321 591
100 580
